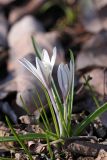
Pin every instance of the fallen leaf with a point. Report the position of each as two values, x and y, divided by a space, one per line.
93 53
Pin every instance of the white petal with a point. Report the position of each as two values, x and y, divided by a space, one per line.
66 70
28 65
38 68
31 68
42 71
53 58
59 75
67 75
65 79
45 56
62 79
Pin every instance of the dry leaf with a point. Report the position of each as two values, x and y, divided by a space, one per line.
93 53
102 155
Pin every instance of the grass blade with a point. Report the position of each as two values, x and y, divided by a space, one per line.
51 134
89 119
52 111
60 106
46 118
49 148
44 122
1 158
57 97
71 95
24 105
18 139
92 92
36 48
27 137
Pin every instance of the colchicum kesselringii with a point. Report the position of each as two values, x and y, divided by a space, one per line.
43 71
64 75
60 108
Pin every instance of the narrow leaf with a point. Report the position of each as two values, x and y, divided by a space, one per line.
52 111
49 148
18 139
24 105
26 137
89 119
71 95
46 118
36 48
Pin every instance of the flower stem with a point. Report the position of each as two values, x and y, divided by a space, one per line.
56 111
65 111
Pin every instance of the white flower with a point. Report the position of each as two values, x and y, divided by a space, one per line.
64 75
44 67
46 60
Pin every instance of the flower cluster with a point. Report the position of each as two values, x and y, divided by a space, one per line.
43 71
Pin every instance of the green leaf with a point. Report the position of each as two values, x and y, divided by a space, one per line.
24 105
44 112
57 97
36 48
18 139
92 92
27 137
70 15
79 129
1 158
60 106
47 5
43 119
52 111
49 148
51 134
71 95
